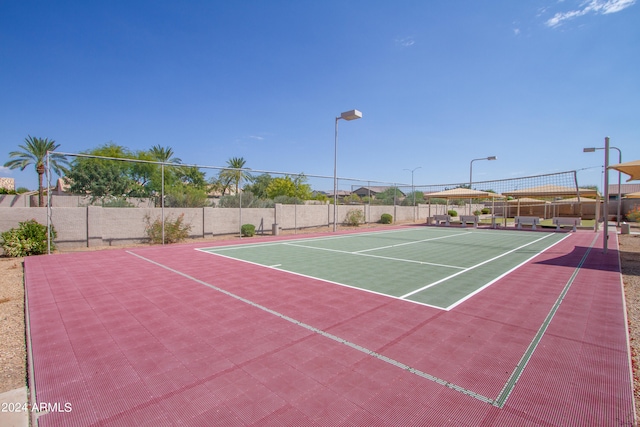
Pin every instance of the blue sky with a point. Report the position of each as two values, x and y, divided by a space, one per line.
439 83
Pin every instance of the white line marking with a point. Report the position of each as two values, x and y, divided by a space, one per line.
472 267
411 243
323 280
477 291
328 335
375 256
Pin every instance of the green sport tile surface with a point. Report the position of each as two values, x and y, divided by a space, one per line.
434 266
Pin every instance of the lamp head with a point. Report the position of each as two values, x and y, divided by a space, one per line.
351 115
492 158
589 149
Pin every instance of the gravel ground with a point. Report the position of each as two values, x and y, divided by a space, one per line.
12 329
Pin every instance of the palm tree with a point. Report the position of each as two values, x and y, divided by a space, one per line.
163 154
235 174
35 153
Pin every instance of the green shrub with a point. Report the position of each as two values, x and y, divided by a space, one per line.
30 238
477 212
248 230
452 213
174 230
485 211
355 217
634 214
386 218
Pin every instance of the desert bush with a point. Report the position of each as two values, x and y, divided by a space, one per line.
248 230
485 211
175 230
30 238
634 214
386 218
355 217
452 213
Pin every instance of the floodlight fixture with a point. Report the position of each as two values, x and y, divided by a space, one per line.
351 115
606 147
347 115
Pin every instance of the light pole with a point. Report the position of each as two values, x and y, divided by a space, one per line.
413 190
347 115
605 235
471 173
593 149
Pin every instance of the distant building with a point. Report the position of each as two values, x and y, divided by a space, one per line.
373 191
8 184
624 189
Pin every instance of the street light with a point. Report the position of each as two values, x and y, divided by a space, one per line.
471 173
347 115
413 189
592 150
605 235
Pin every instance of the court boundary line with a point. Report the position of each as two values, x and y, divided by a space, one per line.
292 242
499 402
326 334
477 291
342 236
358 253
504 394
306 276
437 282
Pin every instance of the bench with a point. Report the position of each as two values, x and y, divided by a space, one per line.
469 219
564 221
527 220
442 218
496 220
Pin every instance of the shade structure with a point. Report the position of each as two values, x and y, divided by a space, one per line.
635 195
464 193
528 200
551 191
630 168
575 200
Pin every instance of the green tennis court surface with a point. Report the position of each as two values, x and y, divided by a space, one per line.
433 266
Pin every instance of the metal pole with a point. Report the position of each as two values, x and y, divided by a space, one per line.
48 204
162 200
335 179
605 235
619 186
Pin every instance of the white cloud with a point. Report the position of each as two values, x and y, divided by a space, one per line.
516 31
600 7
259 138
4 170
405 41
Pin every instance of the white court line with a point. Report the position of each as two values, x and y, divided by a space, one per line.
411 243
375 256
473 267
312 239
328 335
477 291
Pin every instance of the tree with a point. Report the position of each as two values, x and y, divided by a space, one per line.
34 153
163 154
102 178
235 174
285 186
259 185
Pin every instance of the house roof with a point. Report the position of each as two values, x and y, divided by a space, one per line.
624 188
550 190
374 189
463 193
